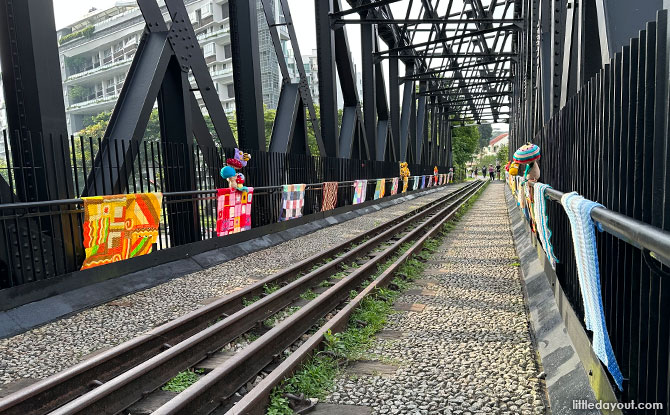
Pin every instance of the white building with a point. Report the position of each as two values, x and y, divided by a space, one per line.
96 52
496 143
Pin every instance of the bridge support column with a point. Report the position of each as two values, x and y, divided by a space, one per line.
247 75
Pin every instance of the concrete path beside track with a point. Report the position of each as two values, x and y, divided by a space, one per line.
462 345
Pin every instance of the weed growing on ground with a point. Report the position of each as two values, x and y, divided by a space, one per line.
270 322
183 380
270 288
249 301
308 295
317 376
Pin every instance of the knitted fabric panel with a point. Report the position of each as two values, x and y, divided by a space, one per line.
579 210
542 221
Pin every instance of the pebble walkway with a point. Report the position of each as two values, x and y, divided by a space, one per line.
56 346
469 350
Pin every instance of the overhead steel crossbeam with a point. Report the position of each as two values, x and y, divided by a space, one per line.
458 61
466 58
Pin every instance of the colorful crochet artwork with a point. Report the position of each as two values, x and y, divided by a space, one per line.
417 180
329 196
394 187
233 210
405 184
360 190
579 210
380 188
292 201
119 227
542 221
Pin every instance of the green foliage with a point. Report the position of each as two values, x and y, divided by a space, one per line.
503 155
182 381
85 32
78 93
270 288
488 159
308 295
75 64
464 144
248 301
485 134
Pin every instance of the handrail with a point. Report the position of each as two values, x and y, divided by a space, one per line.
637 233
75 201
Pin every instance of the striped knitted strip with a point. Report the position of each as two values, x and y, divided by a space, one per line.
542 221
579 210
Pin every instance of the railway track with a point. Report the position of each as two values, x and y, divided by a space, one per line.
113 381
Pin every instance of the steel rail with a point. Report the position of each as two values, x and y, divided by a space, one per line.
208 393
256 400
62 387
131 386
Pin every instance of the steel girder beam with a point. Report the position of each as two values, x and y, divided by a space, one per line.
140 90
289 108
38 145
618 21
421 136
438 20
325 41
405 118
34 101
247 74
174 104
289 133
353 141
394 97
361 8
368 48
386 148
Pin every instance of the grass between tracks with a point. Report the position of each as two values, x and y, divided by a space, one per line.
317 376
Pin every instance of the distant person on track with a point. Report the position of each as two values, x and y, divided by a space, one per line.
498 169
492 176
484 172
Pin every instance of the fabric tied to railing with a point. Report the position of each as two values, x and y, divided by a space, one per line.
329 199
394 186
380 188
417 179
579 210
292 201
423 182
542 221
119 227
233 210
360 190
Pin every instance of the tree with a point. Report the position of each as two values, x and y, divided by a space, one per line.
464 141
485 134
503 155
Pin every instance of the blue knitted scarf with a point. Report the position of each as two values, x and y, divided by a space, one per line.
579 210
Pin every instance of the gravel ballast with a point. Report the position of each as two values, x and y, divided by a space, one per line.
469 351
53 347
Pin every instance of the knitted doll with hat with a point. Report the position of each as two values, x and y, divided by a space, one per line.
528 155
229 172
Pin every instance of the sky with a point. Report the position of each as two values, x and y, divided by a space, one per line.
302 12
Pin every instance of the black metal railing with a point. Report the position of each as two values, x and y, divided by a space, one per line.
610 144
40 234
